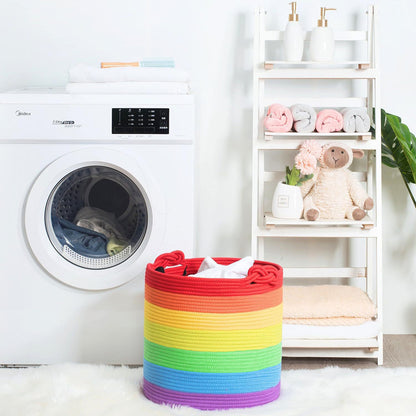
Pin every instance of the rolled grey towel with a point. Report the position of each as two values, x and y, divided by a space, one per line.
304 118
356 120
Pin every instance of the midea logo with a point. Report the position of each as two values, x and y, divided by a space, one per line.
22 113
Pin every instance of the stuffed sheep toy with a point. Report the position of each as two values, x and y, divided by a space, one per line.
333 192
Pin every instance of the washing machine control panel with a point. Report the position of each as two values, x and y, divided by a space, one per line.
140 121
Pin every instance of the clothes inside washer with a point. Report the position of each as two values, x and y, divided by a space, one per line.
82 240
115 246
103 222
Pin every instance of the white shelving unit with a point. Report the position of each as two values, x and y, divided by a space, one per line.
265 226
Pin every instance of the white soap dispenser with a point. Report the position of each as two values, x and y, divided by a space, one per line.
293 37
322 40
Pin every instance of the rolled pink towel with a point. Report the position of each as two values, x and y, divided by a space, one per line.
328 121
279 119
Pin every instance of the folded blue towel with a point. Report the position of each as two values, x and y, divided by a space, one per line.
157 63
82 240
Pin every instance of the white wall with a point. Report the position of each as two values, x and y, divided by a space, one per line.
39 40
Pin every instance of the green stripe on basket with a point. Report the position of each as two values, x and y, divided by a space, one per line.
212 362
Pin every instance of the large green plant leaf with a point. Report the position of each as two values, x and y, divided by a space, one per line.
393 154
399 148
407 143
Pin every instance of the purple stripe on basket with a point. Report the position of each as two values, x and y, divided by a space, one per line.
161 395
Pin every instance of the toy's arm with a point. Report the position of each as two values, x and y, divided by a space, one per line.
308 185
358 195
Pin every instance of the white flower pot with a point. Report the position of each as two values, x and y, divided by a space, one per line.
287 201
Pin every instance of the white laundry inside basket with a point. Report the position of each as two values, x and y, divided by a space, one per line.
211 269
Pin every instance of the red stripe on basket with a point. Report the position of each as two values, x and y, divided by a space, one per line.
213 304
263 277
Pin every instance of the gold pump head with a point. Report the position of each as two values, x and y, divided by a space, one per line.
293 17
322 22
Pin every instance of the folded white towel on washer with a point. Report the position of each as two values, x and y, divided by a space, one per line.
86 73
237 270
128 88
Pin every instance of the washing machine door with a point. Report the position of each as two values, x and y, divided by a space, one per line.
94 218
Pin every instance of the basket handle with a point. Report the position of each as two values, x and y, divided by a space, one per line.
175 258
263 274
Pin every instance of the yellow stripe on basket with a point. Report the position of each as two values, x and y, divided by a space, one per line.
209 340
215 321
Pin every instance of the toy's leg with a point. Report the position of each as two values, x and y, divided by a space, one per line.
355 213
310 211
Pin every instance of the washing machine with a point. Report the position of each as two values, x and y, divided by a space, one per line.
93 187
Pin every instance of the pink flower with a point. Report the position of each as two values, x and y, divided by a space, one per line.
305 162
313 147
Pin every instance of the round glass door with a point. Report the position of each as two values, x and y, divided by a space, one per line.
96 217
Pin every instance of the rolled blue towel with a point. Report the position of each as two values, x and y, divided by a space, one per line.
304 118
356 120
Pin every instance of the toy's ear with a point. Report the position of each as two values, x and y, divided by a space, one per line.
358 153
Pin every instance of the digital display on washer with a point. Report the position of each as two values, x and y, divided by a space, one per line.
140 121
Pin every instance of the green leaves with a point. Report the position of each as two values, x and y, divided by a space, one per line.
398 148
294 178
304 179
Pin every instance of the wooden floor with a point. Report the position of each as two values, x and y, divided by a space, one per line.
399 351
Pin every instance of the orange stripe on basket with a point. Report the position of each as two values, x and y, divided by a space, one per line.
213 304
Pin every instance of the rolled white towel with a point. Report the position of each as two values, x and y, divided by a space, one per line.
356 120
86 73
128 88
304 117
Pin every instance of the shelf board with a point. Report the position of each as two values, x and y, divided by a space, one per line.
294 144
345 35
268 65
269 220
318 230
314 73
330 343
340 134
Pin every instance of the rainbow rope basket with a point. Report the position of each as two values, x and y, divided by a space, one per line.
212 343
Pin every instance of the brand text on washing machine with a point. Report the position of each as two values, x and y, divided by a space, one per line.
22 113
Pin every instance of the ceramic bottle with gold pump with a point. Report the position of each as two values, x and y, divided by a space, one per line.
293 37
322 40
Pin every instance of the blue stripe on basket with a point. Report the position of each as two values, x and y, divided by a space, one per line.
211 383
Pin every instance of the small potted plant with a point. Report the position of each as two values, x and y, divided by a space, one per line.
287 198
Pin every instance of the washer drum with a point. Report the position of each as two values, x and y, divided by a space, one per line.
110 190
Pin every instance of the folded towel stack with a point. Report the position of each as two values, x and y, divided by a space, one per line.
84 79
327 305
128 88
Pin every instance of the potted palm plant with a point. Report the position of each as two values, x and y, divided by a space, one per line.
399 150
